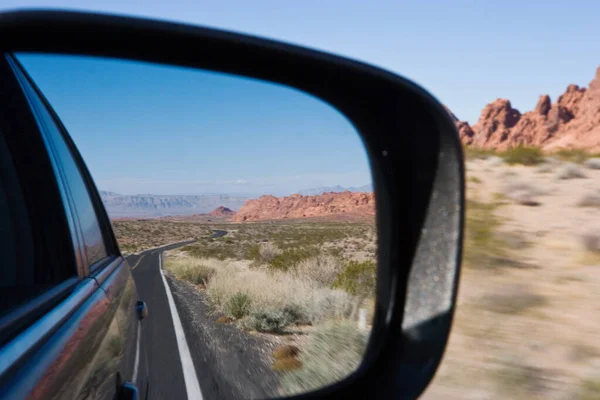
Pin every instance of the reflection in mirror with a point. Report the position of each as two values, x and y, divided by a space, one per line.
268 192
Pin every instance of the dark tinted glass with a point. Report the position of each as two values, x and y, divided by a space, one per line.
17 273
92 234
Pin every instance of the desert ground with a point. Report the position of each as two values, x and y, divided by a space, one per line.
526 325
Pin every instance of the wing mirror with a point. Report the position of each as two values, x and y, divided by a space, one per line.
416 164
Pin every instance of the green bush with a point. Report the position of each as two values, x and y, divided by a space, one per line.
253 253
358 278
195 274
239 305
523 155
274 321
473 153
291 257
572 155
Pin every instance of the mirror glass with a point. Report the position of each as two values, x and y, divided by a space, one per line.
264 197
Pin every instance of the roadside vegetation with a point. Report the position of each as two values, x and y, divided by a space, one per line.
304 281
529 155
137 235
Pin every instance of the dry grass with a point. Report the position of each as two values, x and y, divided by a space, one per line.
191 270
322 270
271 290
333 352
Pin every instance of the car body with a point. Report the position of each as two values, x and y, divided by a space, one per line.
70 321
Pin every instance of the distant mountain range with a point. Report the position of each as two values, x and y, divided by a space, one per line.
335 189
152 205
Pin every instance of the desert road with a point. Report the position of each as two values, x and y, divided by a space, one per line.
189 357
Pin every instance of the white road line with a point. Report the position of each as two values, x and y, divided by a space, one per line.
137 354
192 386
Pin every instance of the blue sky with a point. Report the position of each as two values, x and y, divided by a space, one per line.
146 128
467 53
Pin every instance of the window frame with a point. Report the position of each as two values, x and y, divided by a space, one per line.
39 185
109 239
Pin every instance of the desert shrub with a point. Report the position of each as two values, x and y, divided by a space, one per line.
572 155
334 350
275 290
253 253
190 270
328 304
523 155
322 269
474 179
473 153
291 257
274 320
545 167
515 299
494 162
238 305
593 163
590 200
591 241
268 251
358 278
570 171
483 247
522 193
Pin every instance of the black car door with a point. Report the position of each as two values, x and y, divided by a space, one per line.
69 327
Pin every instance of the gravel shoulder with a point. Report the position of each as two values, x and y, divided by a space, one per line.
230 363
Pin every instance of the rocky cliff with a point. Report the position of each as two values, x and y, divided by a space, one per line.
299 206
573 121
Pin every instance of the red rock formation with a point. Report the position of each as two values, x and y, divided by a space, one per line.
573 121
583 129
222 212
298 206
465 131
494 124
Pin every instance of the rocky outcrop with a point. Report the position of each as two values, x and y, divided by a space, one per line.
573 121
494 124
297 206
222 212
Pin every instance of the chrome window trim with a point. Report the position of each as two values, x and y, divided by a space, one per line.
34 335
65 193
20 316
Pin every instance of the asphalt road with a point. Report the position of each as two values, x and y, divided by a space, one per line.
158 334
217 234
159 340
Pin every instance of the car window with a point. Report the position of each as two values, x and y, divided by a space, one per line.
37 265
19 279
93 242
